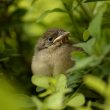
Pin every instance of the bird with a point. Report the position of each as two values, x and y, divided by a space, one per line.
52 54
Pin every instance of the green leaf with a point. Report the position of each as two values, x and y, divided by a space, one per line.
77 101
46 93
12 98
41 81
61 83
96 84
95 25
24 101
55 101
74 79
86 35
44 14
84 63
78 55
38 103
68 4
88 46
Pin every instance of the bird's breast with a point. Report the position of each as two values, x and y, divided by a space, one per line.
52 61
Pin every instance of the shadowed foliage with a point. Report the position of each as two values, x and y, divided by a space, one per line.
87 84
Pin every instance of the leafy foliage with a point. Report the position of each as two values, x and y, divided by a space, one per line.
86 86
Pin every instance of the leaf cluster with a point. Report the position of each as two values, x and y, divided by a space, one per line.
86 85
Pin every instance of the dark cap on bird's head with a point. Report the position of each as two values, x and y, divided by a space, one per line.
52 37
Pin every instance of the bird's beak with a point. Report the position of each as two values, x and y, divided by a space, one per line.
61 37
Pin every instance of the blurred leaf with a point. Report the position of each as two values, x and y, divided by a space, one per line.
87 46
44 14
68 4
2 46
4 59
86 35
33 1
94 0
30 29
11 98
78 55
95 25
74 79
61 83
77 100
18 35
55 101
84 63
38 103
24 100
41 81
87 92
96 84
46 93
10 42
84 108
17 14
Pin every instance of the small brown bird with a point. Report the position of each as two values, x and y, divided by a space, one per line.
52 53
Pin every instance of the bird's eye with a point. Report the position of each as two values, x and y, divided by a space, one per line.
50 39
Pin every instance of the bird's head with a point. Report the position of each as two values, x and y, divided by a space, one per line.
53 37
